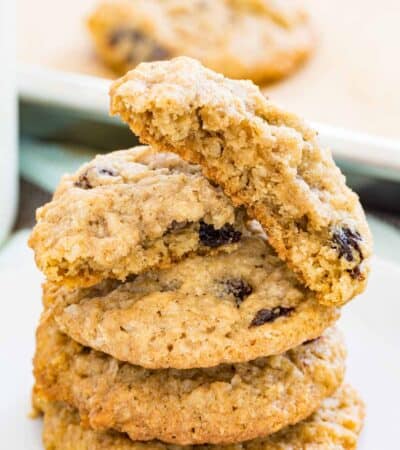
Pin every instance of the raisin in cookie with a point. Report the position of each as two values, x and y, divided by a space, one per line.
202 311
223 404
335 426
258 39
126 212
264 158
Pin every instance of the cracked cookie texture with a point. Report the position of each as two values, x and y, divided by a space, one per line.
222 404
126 212
264 158
202 311
334 426
258 39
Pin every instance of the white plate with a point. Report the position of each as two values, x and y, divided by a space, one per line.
371 325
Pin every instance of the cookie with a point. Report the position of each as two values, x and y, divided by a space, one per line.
264 158
223 404
258 39
335 426
129 211
201 312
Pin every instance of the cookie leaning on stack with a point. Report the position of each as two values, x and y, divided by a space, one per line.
264 158
169 319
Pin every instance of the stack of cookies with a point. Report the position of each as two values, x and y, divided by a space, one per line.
193 284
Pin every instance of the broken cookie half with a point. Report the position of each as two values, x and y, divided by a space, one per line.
264 158
130 211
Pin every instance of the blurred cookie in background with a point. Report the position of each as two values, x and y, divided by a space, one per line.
262 40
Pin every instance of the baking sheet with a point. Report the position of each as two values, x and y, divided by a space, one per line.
352 80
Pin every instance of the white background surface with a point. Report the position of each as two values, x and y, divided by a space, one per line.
371 324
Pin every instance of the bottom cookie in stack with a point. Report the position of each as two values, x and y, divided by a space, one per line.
335 425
